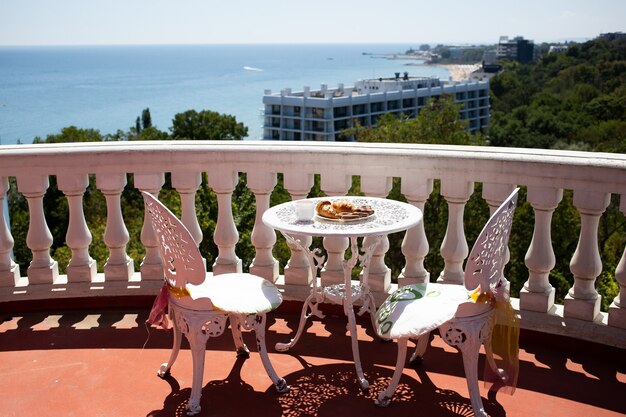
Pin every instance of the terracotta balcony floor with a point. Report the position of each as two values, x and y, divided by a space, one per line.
97 361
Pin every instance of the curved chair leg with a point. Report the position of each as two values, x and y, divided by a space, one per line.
355 349
470 349
164 369
235 326
492 363
197 354
257 322
384 398
310 303
420 349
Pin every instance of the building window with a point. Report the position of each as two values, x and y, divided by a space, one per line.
340 111
297 110
317 112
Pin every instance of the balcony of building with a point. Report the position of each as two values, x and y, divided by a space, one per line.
76 344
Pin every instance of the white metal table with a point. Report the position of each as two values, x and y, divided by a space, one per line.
389 216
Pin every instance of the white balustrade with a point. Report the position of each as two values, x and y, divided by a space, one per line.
9 270
454 248
538 294
151 266
593 178
42 269
379 277
82 267
187 183
583 301
119 266
263 238
415 244
297 271
334 183
223 180
617 309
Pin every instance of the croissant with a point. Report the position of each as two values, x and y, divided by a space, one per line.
342 209
343 206
324 208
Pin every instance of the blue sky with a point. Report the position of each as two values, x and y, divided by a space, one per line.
106 22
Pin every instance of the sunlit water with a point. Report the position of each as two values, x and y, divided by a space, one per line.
43 89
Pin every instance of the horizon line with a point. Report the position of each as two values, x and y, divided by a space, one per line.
477 43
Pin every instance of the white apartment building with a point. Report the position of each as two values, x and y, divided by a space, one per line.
323 114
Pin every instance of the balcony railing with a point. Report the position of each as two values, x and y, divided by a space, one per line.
592 177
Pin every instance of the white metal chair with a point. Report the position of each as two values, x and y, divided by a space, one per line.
199 305
465 315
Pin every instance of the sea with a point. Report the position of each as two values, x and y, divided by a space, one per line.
46 88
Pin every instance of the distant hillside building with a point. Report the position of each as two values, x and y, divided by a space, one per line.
555 49
611 36
519 49
323 114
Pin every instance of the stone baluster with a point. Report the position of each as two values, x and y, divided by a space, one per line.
187 183
582 300
82 267
42 269
223 180
151 266
297 271
379 279
617 309
9 270
119 266
263 237
454 247
333 183
415 244
537 293
494 194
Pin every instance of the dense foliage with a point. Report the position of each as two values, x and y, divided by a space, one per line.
570 100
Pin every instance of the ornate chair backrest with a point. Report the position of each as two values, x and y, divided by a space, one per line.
486 261
181 258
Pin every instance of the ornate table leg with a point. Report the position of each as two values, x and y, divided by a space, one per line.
312 301
348 265
369 305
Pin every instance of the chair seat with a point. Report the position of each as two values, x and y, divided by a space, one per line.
237 293
414 310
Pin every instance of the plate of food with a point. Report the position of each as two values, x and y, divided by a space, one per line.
342 211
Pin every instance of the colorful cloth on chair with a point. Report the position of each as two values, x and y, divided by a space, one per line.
158 316
504 342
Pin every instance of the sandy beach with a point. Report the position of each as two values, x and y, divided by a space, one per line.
458 72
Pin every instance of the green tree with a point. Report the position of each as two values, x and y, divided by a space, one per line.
72 134
146 119
207 125
439 122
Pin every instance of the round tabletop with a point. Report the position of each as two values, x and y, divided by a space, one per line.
389 216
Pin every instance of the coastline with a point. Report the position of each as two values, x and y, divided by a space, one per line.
458 72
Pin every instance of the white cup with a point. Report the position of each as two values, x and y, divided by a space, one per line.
304 210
